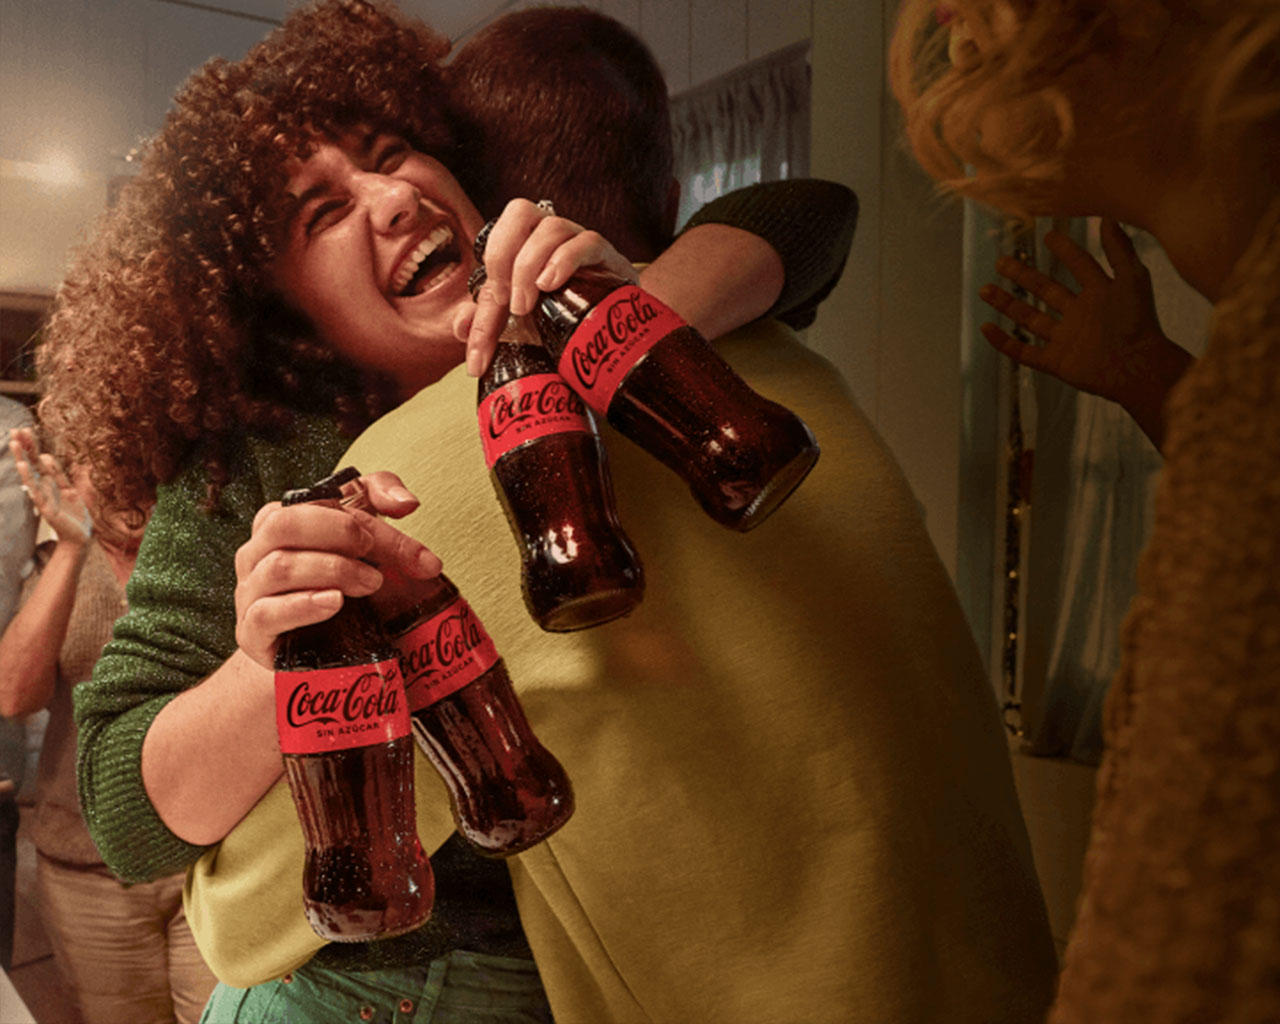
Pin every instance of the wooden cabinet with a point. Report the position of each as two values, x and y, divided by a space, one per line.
22 315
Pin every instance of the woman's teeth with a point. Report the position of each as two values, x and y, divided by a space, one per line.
401 282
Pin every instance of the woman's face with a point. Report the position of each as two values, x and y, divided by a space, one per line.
377 254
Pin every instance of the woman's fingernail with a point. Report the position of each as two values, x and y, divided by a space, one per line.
327 598
473 363
401 494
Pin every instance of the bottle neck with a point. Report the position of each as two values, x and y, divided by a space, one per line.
402 601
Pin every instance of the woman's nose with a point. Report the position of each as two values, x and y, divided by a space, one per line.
393 202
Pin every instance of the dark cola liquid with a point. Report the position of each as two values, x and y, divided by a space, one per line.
507 790
578 568
365 875
741 454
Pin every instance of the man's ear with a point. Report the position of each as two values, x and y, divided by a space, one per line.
673 206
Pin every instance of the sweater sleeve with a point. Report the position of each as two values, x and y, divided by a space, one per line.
179 628
810 224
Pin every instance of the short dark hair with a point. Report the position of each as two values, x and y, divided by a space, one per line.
567 104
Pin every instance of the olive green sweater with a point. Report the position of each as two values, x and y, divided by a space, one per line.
794 797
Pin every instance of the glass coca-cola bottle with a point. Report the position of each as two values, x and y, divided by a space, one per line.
551 475
507 790
343 725
661 384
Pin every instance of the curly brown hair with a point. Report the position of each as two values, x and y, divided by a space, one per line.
167 340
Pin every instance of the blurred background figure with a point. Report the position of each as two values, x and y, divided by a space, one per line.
1163 115
17 544
125 952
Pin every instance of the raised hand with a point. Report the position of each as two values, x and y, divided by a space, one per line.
302 561
1105 339
530 250
51 491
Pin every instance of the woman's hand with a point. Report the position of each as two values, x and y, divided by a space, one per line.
530 250
51 491
1105 339
1098 339
303 560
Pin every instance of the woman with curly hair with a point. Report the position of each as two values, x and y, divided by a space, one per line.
1164 114
290 262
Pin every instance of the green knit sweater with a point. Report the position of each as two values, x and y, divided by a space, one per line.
180 627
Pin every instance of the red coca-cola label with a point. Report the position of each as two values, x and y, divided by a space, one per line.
528 409
444 653
340 708
611 339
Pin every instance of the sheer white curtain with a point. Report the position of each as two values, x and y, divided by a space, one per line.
1087 515
745 127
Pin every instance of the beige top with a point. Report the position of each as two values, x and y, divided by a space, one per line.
1180 916
59 830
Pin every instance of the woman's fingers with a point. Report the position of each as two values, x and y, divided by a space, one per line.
260 625
319 547
307 526
540 253
584 249
484 329
1021 313
1020 352
389 495
1084 268
529 251
1055 294
519 220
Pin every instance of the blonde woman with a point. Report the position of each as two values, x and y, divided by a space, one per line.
1165 115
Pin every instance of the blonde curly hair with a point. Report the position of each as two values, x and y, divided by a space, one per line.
995 121
167 340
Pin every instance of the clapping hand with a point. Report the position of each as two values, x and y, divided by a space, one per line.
51 491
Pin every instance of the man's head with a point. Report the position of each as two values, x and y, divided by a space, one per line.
566 104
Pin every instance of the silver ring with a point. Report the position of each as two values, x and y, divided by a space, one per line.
545 206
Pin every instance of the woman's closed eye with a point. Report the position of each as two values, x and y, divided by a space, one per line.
326 212
390 155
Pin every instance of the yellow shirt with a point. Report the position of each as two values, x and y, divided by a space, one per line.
794 800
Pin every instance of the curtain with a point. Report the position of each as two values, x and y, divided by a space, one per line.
1086 515
749 126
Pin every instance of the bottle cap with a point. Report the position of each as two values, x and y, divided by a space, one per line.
482 239
329 488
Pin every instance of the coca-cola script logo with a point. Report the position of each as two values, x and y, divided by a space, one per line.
514 405
369 697
626 316
441 642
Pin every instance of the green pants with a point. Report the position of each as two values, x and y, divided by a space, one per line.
461 988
